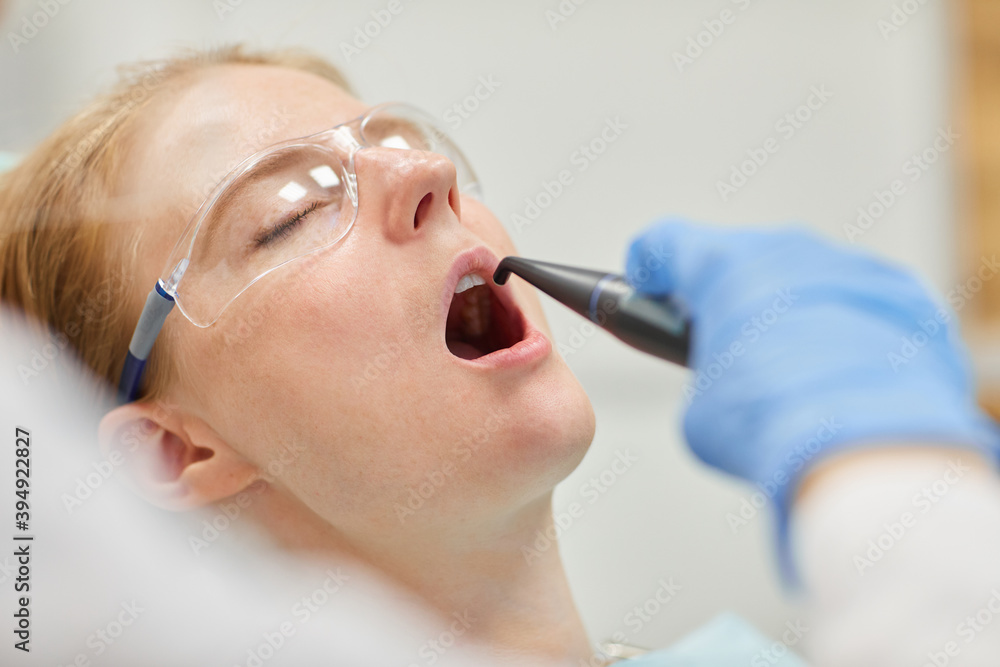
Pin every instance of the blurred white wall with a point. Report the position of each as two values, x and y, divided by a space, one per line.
684 128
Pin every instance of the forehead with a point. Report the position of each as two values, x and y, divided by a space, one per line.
196 131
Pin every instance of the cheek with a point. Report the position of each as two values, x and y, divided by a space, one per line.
481 222
326 355
323 334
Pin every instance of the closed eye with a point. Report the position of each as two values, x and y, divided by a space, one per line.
283 229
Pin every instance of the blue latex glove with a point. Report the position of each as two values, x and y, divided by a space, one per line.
801 348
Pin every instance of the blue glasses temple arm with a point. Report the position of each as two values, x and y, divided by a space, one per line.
154 313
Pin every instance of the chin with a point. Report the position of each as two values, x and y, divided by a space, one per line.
551 429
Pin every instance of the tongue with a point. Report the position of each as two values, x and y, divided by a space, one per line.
464 350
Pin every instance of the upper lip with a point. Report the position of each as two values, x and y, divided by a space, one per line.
483 262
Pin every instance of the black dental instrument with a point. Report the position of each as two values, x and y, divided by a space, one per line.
655 325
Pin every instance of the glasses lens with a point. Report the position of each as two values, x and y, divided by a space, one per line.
402 126
293 201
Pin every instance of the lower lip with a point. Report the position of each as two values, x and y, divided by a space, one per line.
532 348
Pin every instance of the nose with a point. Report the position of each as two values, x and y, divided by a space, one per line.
404 190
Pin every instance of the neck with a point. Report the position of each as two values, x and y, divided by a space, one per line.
504 581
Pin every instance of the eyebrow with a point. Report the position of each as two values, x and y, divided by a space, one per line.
258 172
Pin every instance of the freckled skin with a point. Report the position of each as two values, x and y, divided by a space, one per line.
342 354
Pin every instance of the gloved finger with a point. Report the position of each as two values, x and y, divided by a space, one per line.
681 258
718 271
651 253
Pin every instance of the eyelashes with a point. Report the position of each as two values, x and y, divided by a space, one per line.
283 229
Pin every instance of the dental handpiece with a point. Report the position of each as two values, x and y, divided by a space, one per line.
656 325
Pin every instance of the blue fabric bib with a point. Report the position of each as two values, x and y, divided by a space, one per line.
725 641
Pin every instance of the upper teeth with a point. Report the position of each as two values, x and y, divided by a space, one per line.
467 281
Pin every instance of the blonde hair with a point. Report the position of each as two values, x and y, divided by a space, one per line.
61 262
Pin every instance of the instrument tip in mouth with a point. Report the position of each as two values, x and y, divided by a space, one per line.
502 272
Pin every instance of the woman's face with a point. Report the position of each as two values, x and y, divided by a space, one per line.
331 375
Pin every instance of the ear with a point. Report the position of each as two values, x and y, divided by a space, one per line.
173 460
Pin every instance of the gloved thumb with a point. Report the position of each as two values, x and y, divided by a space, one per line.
677 257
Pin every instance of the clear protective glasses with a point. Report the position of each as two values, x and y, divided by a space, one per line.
288 200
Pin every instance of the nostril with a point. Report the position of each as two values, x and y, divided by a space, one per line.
422 209
455 202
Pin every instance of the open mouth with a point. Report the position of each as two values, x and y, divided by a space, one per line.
479 320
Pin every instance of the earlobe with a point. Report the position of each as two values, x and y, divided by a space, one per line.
173 460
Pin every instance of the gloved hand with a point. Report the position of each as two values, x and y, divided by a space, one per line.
801 348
